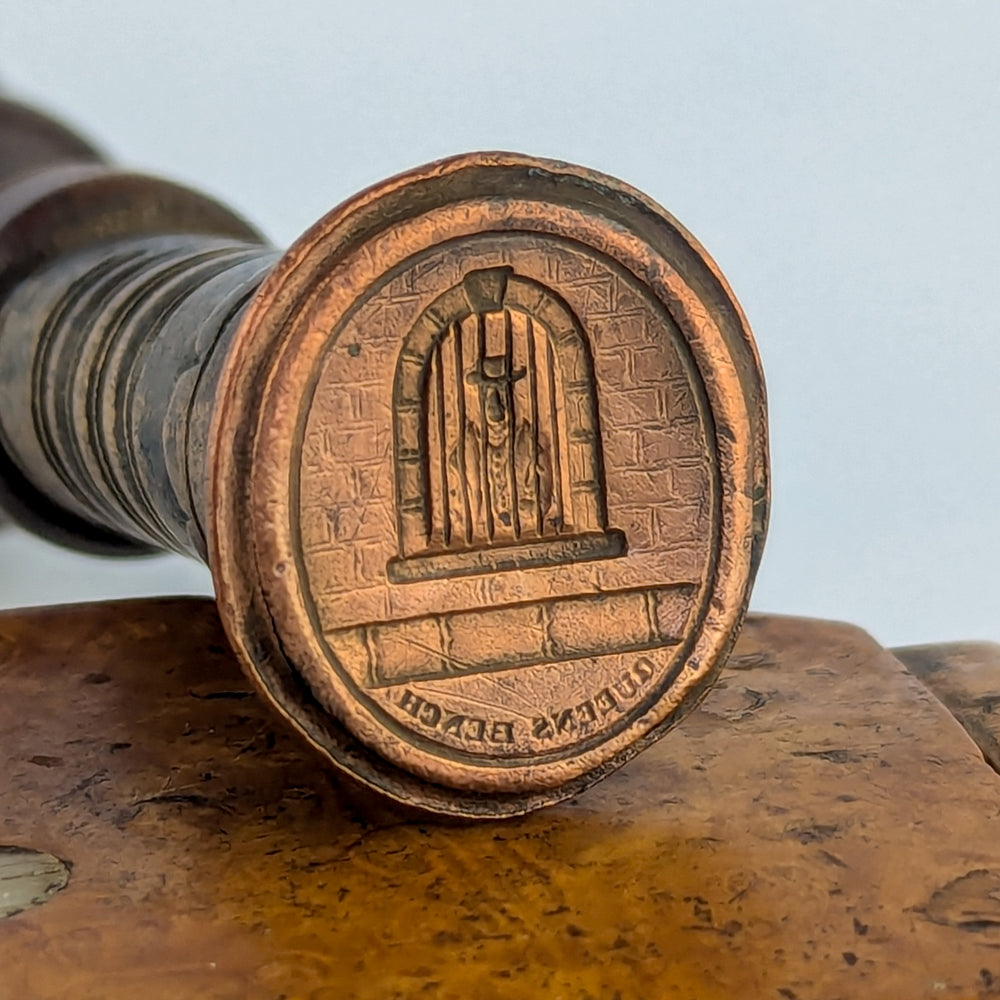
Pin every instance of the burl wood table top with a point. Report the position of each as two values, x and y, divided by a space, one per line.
821 827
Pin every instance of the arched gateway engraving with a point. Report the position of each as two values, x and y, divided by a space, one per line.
498 465
497 443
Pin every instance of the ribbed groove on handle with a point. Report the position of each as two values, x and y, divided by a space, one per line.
109 364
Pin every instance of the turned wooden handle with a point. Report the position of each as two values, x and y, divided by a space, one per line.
29 140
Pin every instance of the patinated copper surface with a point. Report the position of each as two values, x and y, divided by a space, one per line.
819 827
479 464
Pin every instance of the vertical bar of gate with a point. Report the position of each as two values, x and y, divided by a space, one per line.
442 443
484 451
460 407
557 483
508 350
533 403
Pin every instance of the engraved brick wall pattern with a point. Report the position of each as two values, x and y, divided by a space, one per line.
349 521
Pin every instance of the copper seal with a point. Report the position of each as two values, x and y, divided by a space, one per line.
488 481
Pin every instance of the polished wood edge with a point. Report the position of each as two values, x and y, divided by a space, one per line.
965 678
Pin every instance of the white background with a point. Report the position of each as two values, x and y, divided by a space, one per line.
841 161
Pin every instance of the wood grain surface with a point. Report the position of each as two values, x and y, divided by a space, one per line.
820 827
966 677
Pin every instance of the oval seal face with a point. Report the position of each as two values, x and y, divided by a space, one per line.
506 476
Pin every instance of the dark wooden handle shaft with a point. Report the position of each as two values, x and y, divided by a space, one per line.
29 140
110 360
